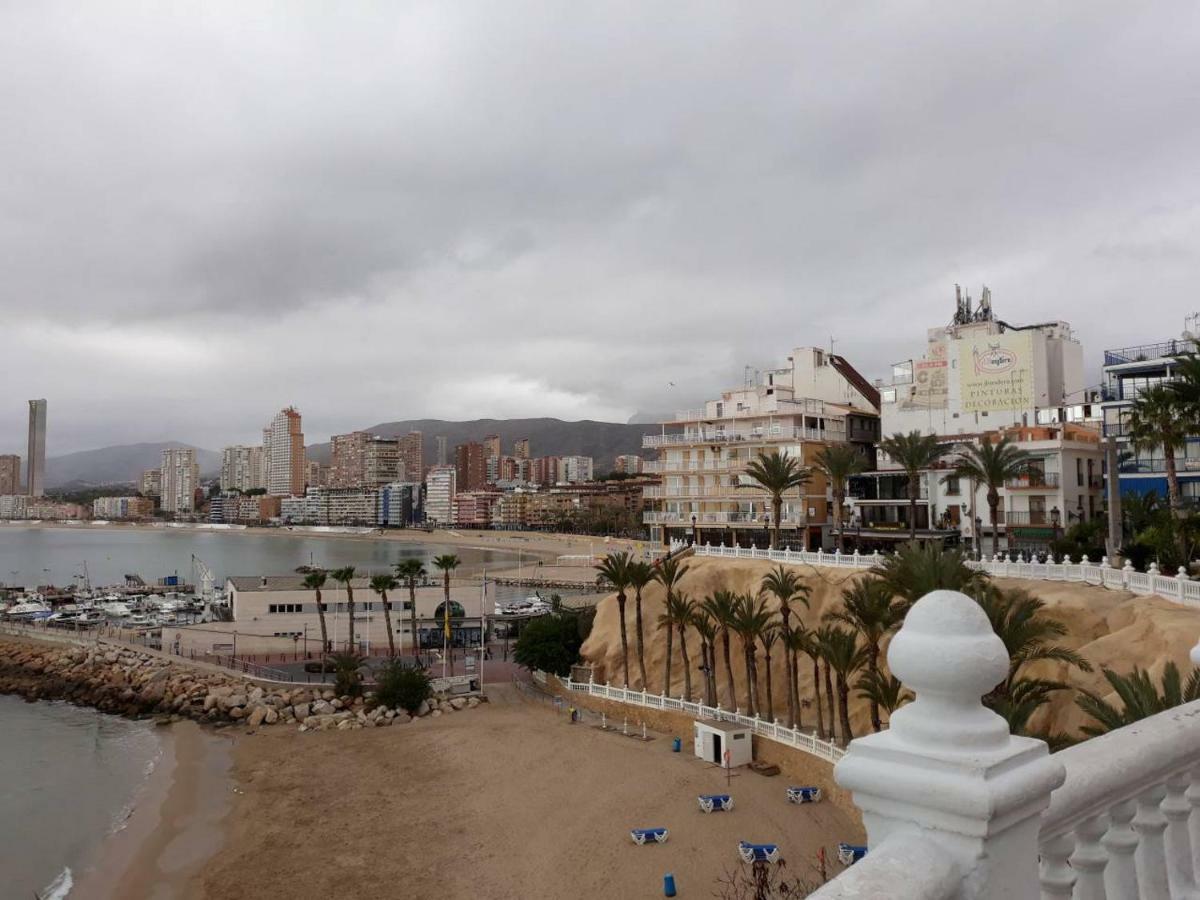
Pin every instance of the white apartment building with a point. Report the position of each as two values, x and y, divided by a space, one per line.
979 373
122 507
816 399
575 469
629 463
14 506
439 495
283 454
242 469
180 478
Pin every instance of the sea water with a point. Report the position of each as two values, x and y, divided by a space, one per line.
69 777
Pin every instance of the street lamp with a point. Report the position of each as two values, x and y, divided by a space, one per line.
695 532
1055 521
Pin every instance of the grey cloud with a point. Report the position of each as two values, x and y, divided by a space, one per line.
373 212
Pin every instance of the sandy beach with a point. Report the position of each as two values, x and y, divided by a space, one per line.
504 801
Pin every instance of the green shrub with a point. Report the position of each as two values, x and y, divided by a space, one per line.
550 643
347 680
398 686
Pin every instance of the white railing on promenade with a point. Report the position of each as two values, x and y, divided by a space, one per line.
1178 588
773 731
957 808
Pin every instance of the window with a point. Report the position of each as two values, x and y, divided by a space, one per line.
952 488
739 737
1078 472
283 608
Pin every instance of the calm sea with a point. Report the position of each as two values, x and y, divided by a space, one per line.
68 778
31 556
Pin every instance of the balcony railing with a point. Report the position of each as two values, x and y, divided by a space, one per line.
690 438
719 518
1145 352
707 465
1033 481
732 491
1031 517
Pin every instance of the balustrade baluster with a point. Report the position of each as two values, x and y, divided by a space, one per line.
1149 823
1121 842
1193 799
1090 859
1057 876
1176 810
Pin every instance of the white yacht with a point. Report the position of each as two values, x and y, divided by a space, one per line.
115 609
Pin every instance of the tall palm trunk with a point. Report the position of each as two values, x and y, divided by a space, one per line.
447 647
748 656
794 688
687 668
993 500
770 699
1174 500
324 630
914 493
843 690
666 685
873 668
412 610
839 498
817 691
777 512
728 668
785 612
829 698
624 638
637 600
353 648
712 673
387 621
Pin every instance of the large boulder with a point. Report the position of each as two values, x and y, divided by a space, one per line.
300 711
272 716
458 703
256 717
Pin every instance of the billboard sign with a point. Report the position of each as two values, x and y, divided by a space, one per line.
996 372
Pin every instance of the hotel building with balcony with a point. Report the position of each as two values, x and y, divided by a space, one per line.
1128 371
818 398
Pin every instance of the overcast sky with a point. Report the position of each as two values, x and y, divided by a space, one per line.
458 210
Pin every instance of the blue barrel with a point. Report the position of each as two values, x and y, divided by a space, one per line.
669 881
676 746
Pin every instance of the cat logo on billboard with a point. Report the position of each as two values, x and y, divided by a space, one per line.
996 372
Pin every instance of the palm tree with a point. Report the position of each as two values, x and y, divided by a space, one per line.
410 570
991 465
1159 419
870 607
381 584
913 452
915 569
768 636
883 691
314 581
1018 619
679 612
775 473
787 586
346 576
749 620
706 627
668 573
845 657
1139 696
640 575
821 638
808 643
614 569
722 606
839 462
447 562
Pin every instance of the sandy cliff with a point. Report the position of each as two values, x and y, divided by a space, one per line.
1109 628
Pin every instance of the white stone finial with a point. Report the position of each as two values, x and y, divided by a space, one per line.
1128 565
948 654
1083 560
1153 570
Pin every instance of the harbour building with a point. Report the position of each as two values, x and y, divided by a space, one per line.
816 399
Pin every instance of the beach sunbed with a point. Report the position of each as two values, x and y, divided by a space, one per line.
803 794
709 802
751 852
642 835
849 854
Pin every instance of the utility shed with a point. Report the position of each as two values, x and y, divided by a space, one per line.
713 740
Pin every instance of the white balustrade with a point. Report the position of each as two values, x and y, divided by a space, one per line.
1178 588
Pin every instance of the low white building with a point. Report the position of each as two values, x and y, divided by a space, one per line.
725 744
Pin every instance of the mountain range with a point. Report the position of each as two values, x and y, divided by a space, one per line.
124 464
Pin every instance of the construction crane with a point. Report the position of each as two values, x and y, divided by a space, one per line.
202 577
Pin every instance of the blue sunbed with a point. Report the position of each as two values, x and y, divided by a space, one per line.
849 854
709 802
751 852
642 835
804 794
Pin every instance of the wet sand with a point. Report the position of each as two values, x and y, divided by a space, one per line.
175 827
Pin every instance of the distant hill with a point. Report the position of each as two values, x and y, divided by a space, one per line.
123 464
547 437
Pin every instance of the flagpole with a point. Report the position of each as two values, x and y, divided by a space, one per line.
482 627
